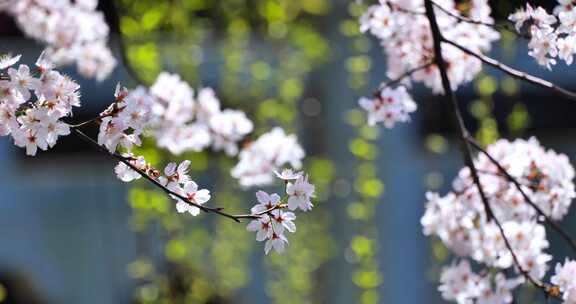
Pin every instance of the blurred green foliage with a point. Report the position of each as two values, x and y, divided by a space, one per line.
258 55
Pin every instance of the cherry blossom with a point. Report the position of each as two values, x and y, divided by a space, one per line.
288 174
191 192
262 227
31 107
300 192
565 278
276 241
8 60
265 201
73 31
407 40
459 283
271 219
551 35
390 106
459 218
22 81
268 153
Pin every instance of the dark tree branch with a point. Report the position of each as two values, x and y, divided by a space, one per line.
515 73
465 145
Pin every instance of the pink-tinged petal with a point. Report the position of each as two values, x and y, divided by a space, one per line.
258 208
31 149
262 197
274 199
267 246
279 245
170 169
194 211
254 225
183 167
202 196
190 187
290 216
290 226
293 202
262 234
290 189
182 207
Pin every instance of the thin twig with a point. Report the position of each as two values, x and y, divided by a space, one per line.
545 288
394 6
126 161
398 79
527 199
515 73
95 119
465 148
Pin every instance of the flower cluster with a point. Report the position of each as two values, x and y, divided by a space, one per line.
404 33
32 104
73 31
269 152
175 179
565 279
389 106
460 221
183 123
460 284
179 122
125 119
551 35
272 219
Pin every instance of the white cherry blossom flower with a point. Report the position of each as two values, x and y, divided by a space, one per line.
300 192
125 173
191 192
8 60
262 227
277 242
288 174
22 81
390 106
265 202
283 220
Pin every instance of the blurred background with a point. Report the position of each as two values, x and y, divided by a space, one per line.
70 232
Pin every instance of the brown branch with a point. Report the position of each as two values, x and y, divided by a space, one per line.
515 73
465 145
126 161
527 199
